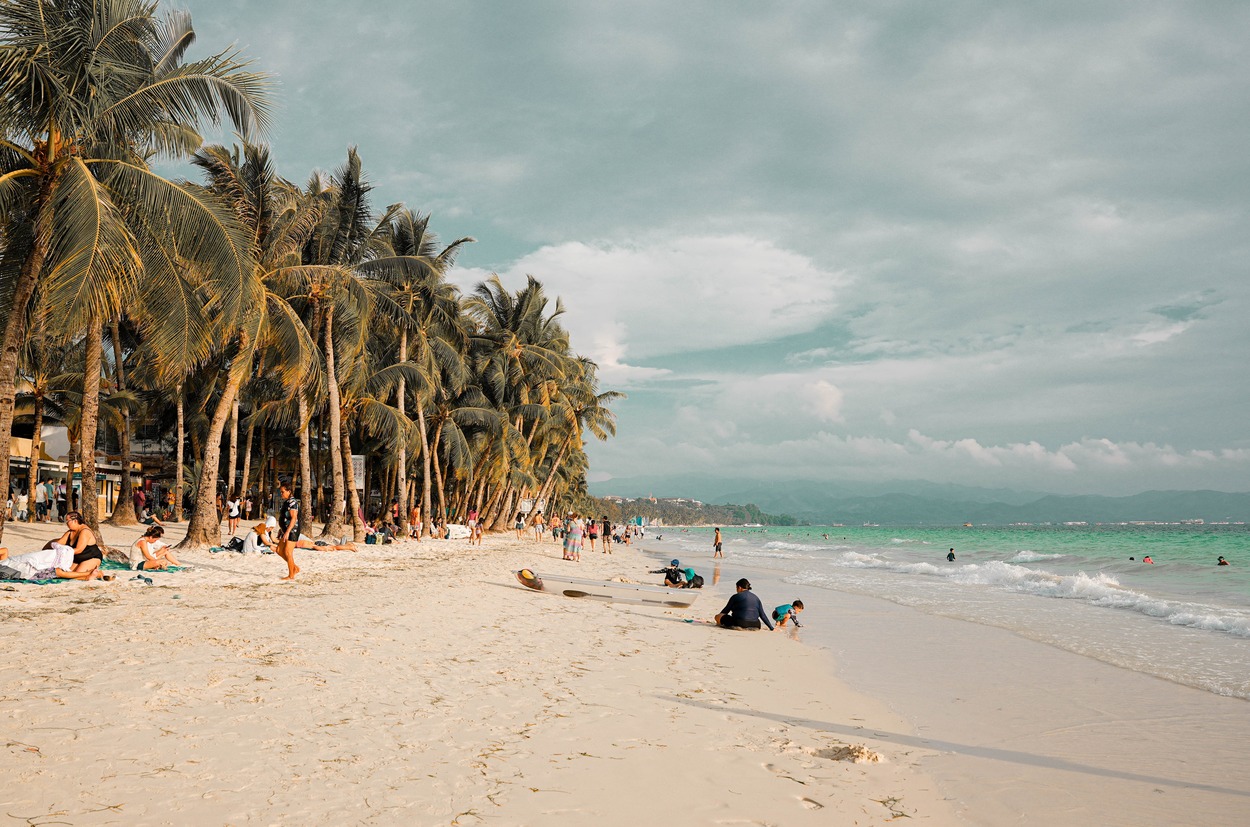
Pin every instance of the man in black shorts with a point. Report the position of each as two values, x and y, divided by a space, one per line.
288 527
744 610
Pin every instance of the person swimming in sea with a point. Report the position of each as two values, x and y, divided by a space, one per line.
950 556
1147 559
1221 562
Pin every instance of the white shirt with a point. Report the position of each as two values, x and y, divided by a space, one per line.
57 557
252 543
233 505
136 553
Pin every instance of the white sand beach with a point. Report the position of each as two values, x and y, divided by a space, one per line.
419 683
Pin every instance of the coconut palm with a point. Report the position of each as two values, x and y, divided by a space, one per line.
432 332
87 91
277 221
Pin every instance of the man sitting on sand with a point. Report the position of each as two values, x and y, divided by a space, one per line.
744 610
151 553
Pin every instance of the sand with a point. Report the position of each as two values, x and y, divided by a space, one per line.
420 684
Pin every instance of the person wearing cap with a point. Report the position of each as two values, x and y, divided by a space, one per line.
744 610
674 577
288 528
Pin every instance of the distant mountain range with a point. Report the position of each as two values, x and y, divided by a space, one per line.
919 502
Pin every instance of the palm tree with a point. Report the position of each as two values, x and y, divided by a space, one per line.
434 323
277 222
86 90
520 348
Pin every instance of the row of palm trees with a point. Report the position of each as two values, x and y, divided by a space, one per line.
296 324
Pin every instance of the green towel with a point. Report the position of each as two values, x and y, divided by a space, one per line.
113 565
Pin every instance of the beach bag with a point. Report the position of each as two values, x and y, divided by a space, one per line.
371 539
234 544
697 582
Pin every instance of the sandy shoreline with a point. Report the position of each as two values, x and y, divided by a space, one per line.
419 684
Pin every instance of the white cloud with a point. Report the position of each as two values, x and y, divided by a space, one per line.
632 302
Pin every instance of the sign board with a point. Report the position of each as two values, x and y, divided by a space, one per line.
527 505
541 505
358 471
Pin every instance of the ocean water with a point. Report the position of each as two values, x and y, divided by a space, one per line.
1183 619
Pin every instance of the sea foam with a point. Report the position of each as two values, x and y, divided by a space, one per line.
1098 589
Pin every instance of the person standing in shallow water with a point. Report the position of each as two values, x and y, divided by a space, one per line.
716 543
950 556
289 528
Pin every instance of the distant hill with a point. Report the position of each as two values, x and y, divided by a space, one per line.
917 502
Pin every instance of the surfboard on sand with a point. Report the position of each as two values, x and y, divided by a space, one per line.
608 590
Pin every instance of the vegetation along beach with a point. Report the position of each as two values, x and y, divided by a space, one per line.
440 414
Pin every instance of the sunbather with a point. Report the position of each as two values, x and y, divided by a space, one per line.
87 553
151 553
36 565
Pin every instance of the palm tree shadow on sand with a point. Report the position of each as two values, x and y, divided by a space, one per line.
989 753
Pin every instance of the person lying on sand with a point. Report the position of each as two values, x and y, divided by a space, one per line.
744 610
151 553
36 565
307 542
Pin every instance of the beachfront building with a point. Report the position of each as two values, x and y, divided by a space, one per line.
53 460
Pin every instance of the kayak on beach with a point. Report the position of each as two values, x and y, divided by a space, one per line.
607 590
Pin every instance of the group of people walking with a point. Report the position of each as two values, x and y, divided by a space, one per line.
51 500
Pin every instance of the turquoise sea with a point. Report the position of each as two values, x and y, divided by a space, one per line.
1182 618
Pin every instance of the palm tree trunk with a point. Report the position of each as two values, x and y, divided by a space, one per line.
358 528
425 470
334 525
545 491
15 327
204 528
32 473
90 506
402 470
247 461
262 484
367 485
182 438
505 513
305 467
123 510
438 470
232 464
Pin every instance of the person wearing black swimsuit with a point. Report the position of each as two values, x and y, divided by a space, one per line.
87 554
288 528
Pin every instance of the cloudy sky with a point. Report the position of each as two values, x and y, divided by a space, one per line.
988 243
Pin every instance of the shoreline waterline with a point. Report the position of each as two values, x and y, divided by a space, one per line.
1022 731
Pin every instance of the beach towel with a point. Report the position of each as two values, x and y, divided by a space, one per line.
113 565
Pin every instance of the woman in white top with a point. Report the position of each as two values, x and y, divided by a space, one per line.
150 552
234 510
